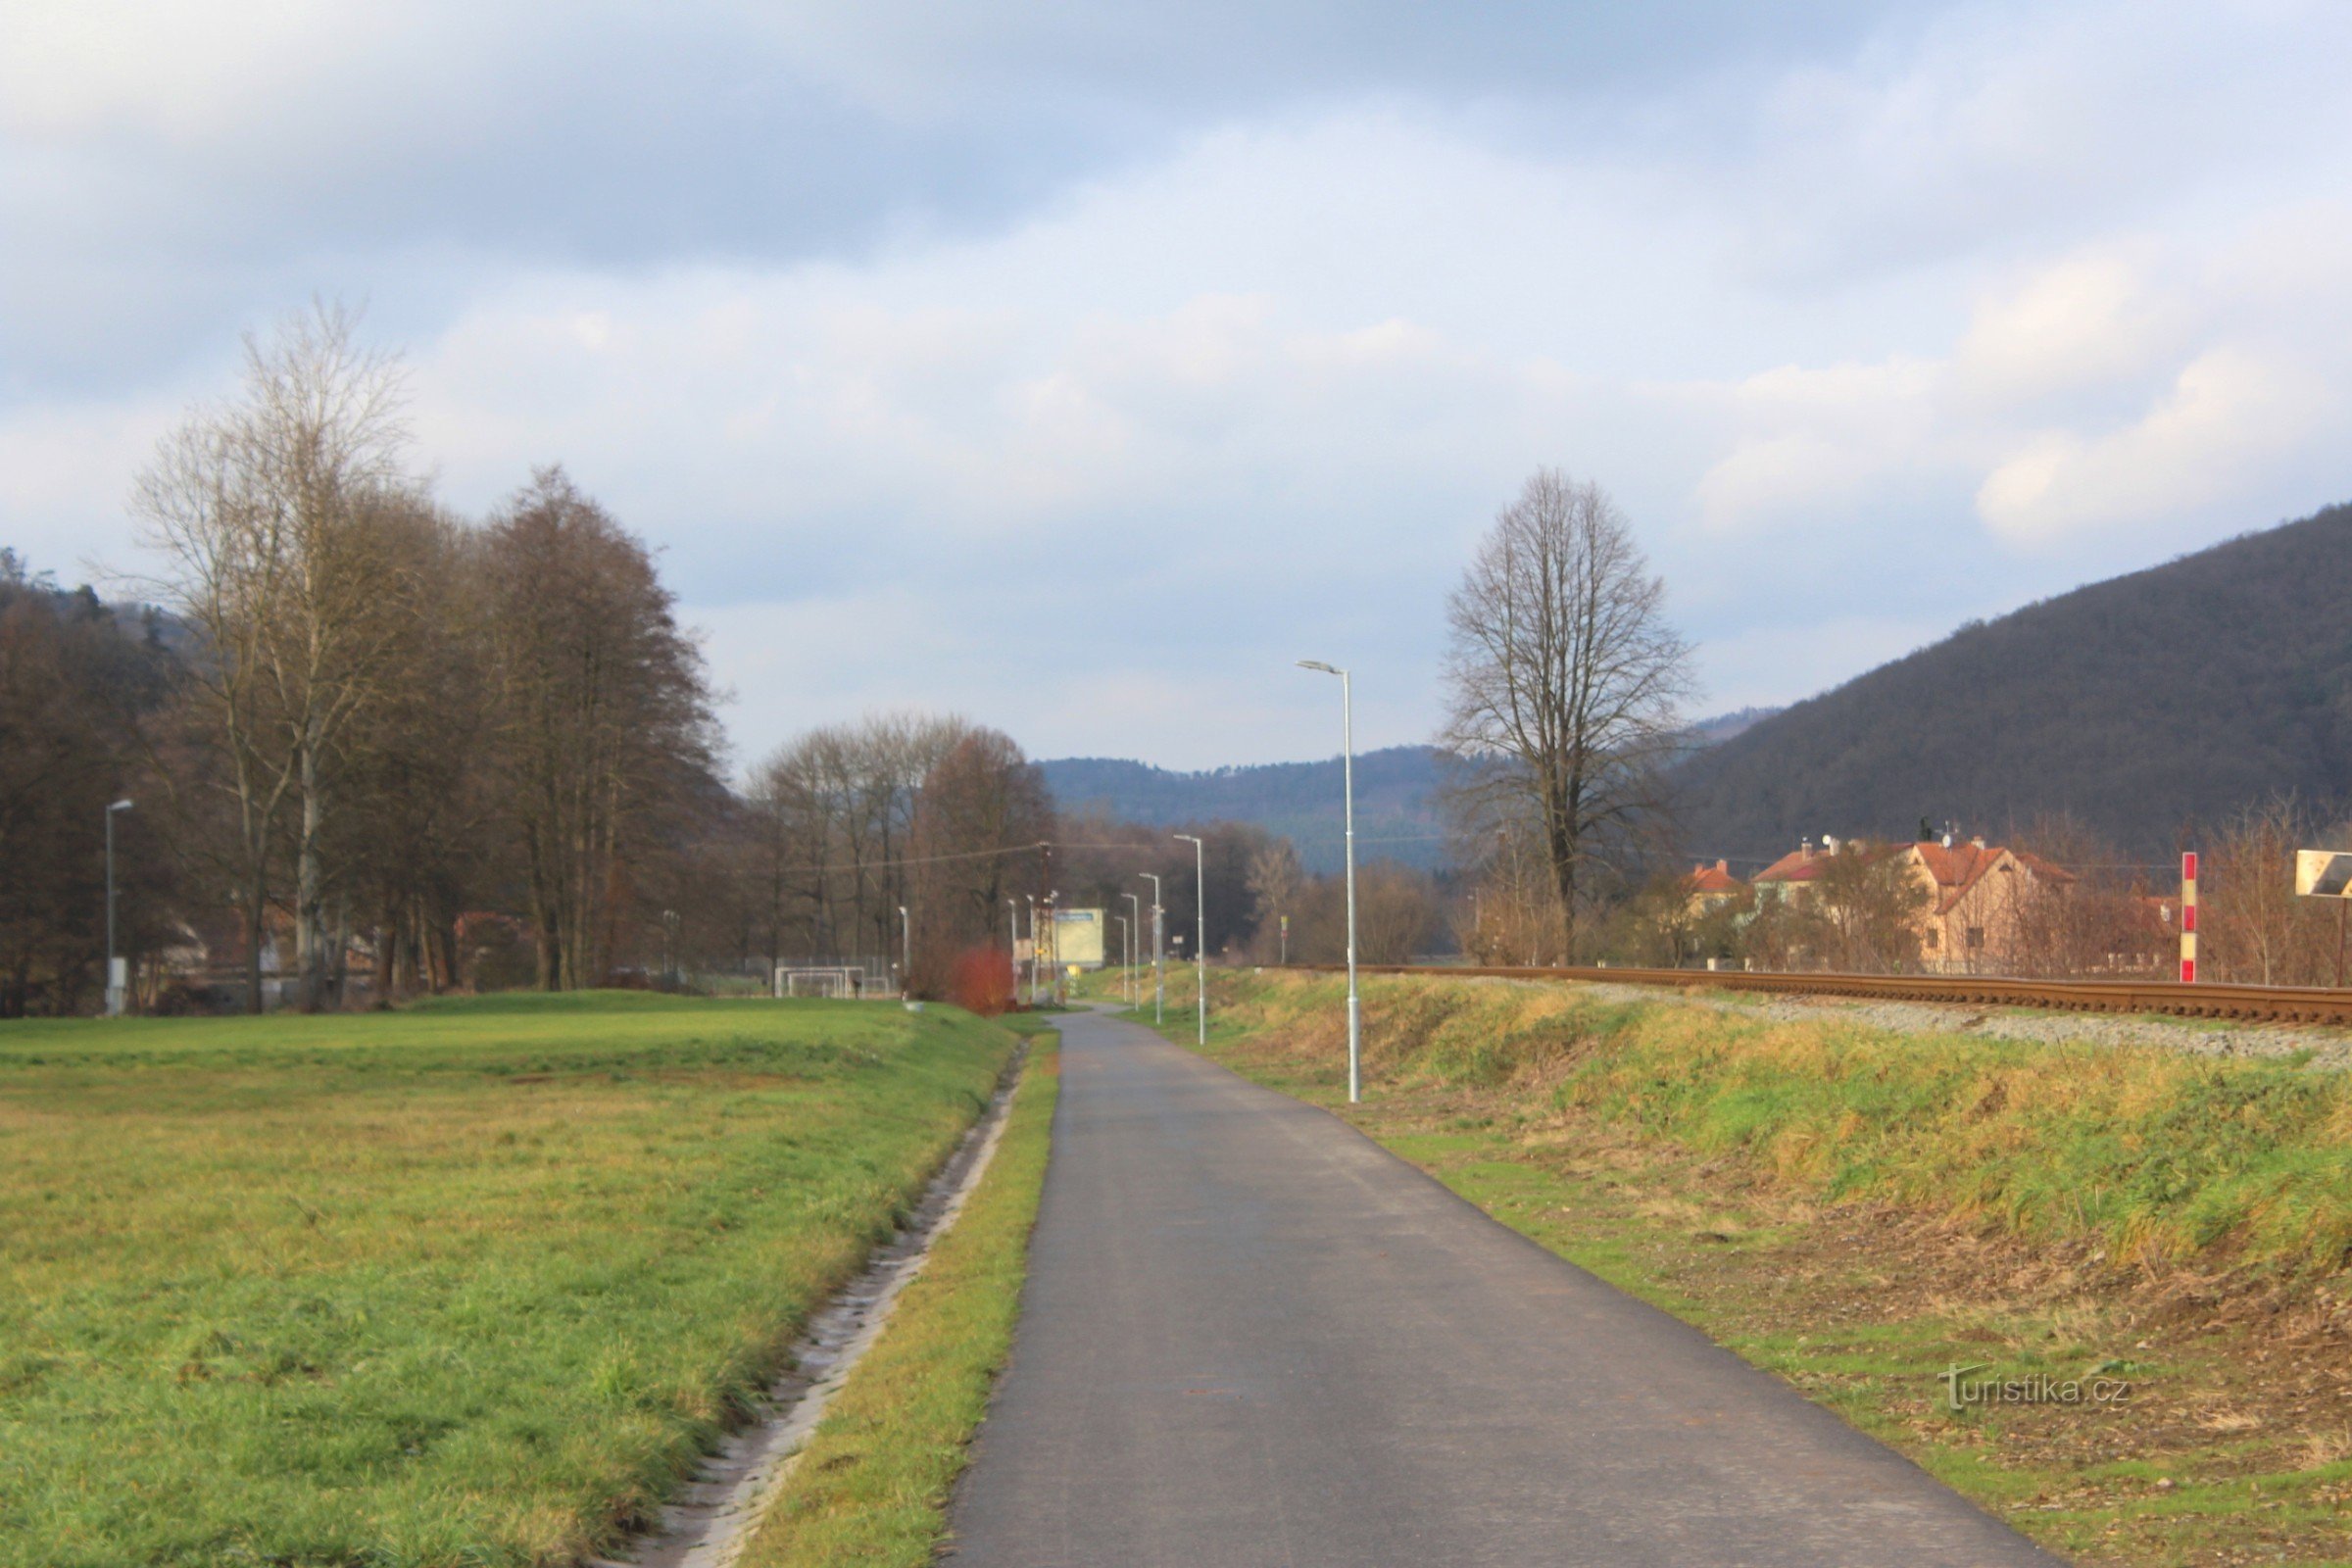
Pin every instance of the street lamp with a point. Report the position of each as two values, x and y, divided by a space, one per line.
1126 938
905 952
1032 898
118 973
1135 910
1159 949
1012 932
1200 927
1053 924
1356 1079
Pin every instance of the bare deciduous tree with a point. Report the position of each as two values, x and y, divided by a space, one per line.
259 507
603 718
1277 881
1565 681
980 815
1865 911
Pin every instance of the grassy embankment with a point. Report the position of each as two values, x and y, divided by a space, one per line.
872 1487
469 1283
1858 1211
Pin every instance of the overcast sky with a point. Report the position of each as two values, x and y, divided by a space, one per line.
1078 367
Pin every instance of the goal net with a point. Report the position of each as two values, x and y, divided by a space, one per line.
831 980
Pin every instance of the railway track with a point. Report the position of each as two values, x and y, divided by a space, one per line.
2248 1004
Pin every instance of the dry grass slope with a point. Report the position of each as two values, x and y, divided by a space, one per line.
2158 1155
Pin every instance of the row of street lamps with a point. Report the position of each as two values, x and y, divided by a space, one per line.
1355 1014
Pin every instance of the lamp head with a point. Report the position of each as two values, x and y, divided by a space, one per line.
120 806
1317 663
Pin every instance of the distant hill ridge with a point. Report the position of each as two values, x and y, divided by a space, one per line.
1397 816
2184 691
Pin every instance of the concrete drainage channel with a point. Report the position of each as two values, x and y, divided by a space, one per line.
708 1525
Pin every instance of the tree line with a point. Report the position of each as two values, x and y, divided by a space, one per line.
351 720
374 749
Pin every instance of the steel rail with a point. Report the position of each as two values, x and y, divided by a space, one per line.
2255 1003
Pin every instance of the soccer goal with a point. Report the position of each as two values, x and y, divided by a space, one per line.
827 980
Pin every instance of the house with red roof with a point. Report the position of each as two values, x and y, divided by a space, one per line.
1711 887
1972 919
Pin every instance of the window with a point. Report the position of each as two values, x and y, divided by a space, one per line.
1976 937
1934 938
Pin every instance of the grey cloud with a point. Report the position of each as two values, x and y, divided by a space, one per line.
470 145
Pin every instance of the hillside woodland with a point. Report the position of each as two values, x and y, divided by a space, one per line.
2137 707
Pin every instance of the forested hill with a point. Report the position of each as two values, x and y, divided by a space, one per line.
1396 812
1398 817
2185 691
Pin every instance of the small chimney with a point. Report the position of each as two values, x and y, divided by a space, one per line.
1725 866
1829 843
1977 843
1805 851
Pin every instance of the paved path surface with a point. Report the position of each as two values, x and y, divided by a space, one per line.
1253 1336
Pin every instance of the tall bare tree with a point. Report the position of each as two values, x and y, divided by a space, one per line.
1277 883
982 810
1564 680
602 716
411 842
260 507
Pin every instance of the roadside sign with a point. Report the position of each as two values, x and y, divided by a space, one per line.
2323 874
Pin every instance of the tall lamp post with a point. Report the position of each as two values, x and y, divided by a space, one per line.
905 952
1199 928
1356 1030
1032 898
1013 927
1053 926
1135 910
1159 948
118 973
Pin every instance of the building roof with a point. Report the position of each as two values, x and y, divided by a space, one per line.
1716 878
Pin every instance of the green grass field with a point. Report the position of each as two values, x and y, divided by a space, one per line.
469 1283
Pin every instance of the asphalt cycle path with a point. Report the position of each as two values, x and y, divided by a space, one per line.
1253 1336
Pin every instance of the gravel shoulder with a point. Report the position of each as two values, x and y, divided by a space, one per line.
2327 1047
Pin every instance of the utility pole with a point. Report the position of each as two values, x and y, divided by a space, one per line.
118 972
1159 948
1201 928
1032 950
906 954
1013 934
1356 1078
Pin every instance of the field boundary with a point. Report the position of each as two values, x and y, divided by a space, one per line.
711 1523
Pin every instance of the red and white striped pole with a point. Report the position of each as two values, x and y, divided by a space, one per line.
2188 917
